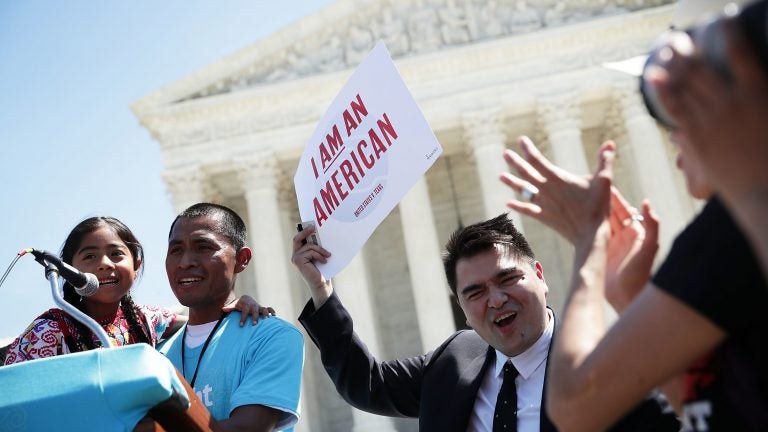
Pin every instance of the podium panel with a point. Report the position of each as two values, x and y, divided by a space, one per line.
99 390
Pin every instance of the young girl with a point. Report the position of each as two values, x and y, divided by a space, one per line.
107 248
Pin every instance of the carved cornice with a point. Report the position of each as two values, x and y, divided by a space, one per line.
189 185
614 128
411 27
516 59
259 172
484 128
541 138
559 111
627 95
286 193
187 180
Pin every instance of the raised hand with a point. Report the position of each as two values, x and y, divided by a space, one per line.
304 257
570 204
632 247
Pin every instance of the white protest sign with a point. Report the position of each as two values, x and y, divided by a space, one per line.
369 148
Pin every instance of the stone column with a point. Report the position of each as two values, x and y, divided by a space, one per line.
271 259
560 118
653 170
186 185
484 132
289 215
260 178
354 288
430 288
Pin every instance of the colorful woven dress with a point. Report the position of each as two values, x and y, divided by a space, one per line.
54 333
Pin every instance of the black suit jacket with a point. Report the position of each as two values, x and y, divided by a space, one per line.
439 387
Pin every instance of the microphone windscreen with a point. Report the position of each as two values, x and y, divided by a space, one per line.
90 287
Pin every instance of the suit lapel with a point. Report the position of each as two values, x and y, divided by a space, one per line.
465 393
546 423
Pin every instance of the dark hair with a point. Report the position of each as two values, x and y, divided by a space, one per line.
231 225
68 250
480 237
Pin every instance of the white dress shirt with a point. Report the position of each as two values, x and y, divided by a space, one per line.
532 365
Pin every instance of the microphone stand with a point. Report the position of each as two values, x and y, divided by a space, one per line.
52 274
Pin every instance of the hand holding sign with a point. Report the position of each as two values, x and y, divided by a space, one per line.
370 147
306 255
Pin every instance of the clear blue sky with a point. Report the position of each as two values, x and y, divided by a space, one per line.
70 146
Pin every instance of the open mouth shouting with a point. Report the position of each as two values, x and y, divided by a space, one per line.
505 319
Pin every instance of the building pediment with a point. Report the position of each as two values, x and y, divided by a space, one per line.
339 36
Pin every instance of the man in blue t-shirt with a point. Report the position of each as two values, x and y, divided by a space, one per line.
249 377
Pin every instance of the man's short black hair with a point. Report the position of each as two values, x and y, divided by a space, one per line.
480 237
231 225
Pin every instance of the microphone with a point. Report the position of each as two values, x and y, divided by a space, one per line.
85 284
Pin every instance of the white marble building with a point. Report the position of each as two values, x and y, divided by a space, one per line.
483 72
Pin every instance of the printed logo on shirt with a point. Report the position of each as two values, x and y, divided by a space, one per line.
697 406
205 395
696 416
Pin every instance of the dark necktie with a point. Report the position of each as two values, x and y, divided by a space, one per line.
505 414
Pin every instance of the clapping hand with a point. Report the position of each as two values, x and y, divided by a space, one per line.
631 249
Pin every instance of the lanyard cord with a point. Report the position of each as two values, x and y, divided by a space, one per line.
202 352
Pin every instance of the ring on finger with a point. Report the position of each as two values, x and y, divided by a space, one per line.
529 192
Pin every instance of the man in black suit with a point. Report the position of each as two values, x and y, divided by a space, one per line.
501 289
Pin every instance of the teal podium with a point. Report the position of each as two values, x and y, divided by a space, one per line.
99 390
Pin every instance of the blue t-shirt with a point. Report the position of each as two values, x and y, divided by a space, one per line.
248 365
